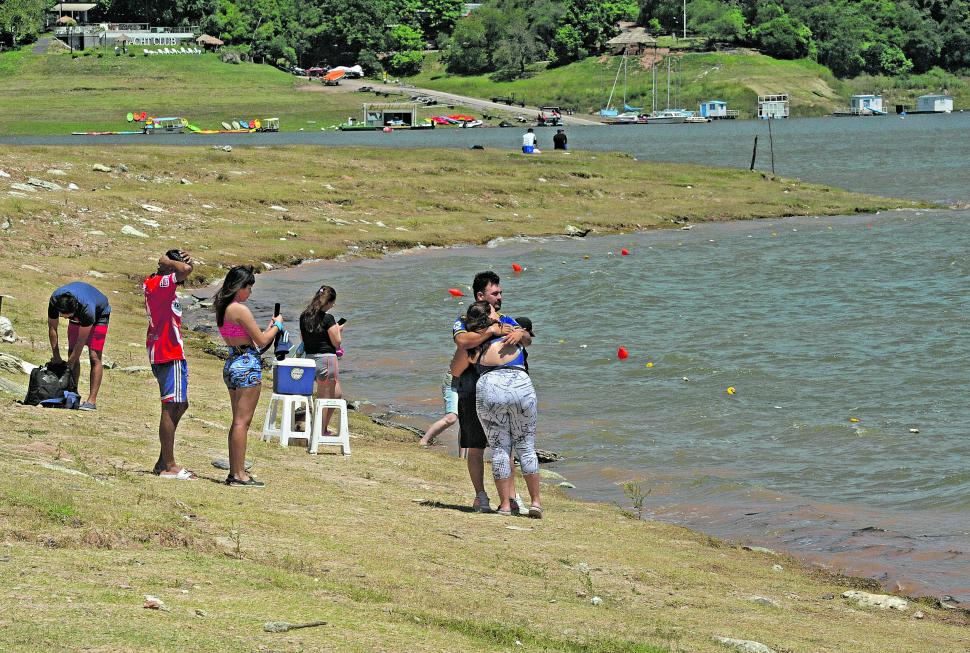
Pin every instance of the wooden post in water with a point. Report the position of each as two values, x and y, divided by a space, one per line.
754 154
771 146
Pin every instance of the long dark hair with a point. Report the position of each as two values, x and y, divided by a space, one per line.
236 279
478 317
312 317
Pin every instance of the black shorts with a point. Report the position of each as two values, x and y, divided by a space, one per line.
471 434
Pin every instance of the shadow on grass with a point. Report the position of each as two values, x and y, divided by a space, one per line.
429 503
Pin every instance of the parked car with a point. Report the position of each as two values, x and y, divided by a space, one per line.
296 70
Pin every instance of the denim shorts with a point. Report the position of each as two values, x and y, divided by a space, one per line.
244 369
327 367
449 395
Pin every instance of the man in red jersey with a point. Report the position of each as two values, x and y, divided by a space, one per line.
167 355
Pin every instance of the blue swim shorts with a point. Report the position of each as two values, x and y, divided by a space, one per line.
173 381
244 369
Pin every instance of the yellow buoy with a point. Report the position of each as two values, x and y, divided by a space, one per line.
731 390
853 419
649 364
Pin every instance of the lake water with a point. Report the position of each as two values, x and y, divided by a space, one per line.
814 321
923 156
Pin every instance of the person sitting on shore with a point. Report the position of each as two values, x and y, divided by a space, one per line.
88 311
321 336
559 141
242 373
529 142
507 407
167 355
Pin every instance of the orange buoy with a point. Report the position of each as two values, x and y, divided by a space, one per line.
516 267
624 252
455 292
622 353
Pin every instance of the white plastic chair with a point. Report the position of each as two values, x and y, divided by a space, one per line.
342 438
286 428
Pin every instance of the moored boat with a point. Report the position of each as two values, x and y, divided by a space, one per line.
667 117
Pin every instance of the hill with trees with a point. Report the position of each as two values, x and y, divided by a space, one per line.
504 37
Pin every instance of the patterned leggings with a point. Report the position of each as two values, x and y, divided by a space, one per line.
506 405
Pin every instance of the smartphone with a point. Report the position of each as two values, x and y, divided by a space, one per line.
276 309
342 321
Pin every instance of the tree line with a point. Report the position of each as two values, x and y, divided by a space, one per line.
504 37
849 36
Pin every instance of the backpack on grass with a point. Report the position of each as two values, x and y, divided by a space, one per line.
49 381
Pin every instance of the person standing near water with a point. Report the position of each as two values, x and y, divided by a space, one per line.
167 355
486 287
507 407
243 371
450 397
321 336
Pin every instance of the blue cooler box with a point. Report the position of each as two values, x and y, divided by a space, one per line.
294 376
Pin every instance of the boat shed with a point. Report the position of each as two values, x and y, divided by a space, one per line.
632 40
773 106
393 114
866 104
934 103
716 110
76 10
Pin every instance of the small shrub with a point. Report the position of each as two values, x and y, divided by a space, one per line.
635 491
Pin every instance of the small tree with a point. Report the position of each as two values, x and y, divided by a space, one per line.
407 43
567 45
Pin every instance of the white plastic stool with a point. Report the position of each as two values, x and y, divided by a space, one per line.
343 432
285 430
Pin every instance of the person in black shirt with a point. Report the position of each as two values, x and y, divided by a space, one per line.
321 337
559 140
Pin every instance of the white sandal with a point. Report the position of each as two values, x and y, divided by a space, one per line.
181 475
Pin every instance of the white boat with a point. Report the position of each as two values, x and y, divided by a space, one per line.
668 117
697 120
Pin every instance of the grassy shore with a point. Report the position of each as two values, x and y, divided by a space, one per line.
56 94
380 545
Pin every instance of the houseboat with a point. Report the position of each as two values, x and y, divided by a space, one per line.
773 107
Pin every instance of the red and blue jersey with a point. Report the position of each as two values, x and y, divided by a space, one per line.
164 311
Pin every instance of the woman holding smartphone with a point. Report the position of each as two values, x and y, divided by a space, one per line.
242 373
322 335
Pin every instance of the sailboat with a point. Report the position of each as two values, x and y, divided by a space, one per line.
630 114
667 116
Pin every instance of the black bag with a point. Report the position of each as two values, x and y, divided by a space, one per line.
49 382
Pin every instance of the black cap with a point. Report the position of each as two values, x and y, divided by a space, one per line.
526 324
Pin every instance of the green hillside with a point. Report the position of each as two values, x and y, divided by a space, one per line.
93 94
736 78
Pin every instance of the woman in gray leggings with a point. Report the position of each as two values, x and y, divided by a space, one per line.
506 405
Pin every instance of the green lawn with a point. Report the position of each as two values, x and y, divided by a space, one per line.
55 94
